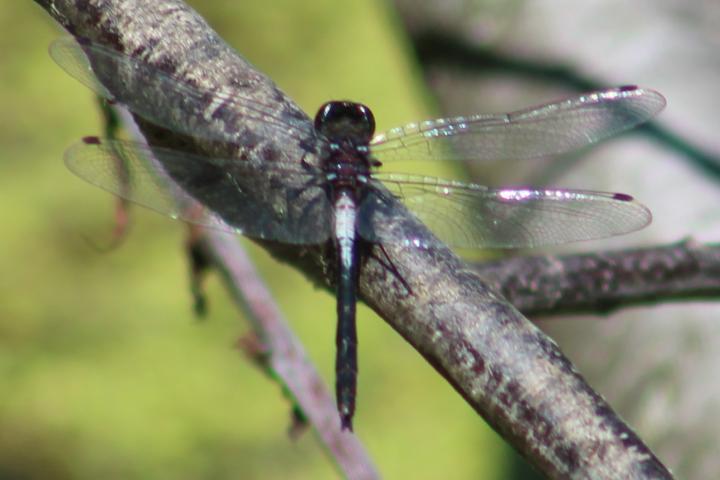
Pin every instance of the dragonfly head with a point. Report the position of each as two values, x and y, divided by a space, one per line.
342 121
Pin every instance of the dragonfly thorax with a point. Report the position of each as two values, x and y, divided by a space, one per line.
347 127
343 169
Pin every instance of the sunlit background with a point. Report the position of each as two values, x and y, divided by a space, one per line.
106 373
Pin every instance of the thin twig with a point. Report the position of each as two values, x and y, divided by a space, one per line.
605 281
507 369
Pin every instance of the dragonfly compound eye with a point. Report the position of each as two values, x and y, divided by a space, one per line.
345 119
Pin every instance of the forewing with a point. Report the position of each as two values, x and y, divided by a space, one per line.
177 105
242 197
540 131
474 216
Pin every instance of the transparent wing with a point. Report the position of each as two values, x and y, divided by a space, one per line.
474 216
177 105
250 198
540 131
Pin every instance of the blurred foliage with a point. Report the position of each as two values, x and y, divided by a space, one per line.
104 372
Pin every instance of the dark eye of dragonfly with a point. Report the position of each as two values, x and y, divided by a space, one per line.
343 120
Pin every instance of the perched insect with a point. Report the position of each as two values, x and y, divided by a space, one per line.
332 193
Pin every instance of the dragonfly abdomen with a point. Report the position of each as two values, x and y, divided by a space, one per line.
347 273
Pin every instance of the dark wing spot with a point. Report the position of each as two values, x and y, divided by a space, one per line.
623 197
91 140
628 88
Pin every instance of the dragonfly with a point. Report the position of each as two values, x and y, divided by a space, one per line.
335 192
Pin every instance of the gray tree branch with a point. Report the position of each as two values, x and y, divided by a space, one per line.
604 281
506 368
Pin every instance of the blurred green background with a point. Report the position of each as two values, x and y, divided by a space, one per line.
105 372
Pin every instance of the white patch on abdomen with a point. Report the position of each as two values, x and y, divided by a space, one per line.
345 211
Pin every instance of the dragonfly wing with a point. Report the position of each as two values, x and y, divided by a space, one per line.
177 105
474 216
540 131
242 197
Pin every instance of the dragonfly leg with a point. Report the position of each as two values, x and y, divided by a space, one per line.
388 264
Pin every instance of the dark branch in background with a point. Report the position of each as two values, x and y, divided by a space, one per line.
506 368
602 282
437 48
